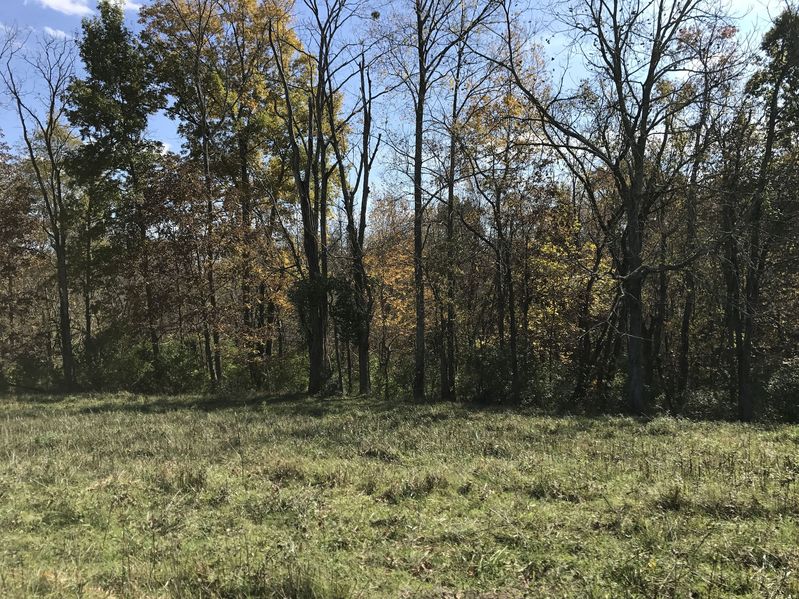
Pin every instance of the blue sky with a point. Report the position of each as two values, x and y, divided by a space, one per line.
63 18
56 17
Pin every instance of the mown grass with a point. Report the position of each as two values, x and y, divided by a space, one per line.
108 496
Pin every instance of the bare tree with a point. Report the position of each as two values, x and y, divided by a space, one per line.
641 77
306 76
41 111
418 51
356 223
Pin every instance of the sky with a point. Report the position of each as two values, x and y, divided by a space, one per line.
62 18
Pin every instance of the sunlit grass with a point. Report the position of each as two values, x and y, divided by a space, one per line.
105 496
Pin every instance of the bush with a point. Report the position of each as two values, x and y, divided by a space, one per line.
121 361
782 391
486 376
713 404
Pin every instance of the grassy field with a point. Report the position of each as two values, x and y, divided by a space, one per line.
111 496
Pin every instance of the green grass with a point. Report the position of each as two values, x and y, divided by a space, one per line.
111 496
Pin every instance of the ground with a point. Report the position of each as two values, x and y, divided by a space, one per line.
112 496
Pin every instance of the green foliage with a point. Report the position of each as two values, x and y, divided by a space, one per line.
783 391
30 370
306 295
120 360
486 376
112 104
348 312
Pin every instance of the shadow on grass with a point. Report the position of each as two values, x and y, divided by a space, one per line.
293 404
297 403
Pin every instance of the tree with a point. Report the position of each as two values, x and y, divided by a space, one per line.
778 86
504 171
356 224
180 38
304 77
41 115
419 52
250 137
110 106
635 54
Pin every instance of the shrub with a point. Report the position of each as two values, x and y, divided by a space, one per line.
782 391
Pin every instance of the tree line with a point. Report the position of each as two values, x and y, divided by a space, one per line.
408 199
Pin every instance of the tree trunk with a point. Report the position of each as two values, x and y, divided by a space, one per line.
500 287
88 342
349 368
64 322
316 351
418 278
632 285
337 347
364 380
655 335
756 256
251 344
515 393
584 352
214 323
271 313
683 359
448 386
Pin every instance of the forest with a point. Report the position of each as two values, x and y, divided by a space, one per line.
439 200
436 299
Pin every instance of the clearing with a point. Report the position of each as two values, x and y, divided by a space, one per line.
123 495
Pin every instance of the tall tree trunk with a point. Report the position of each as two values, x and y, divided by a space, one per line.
271 313
634 276
64 321
206 326
632 285
364 380
655 335
443 374
88 341
515 392
756 256
583 352
214 319
149 297
500 290
316 302
337 347
349 369
251 345
448 386
316 318
418 277
213 325
683 359
732 313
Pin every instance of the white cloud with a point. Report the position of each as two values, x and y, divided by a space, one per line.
84 7
55 32
129 5
68 7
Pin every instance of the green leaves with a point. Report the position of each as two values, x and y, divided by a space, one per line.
112 104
